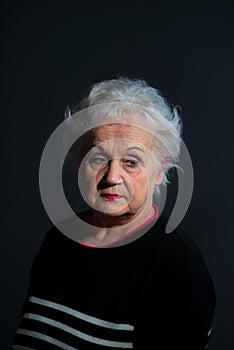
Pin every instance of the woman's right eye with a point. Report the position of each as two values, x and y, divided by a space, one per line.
98 161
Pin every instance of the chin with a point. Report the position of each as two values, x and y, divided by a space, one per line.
114 213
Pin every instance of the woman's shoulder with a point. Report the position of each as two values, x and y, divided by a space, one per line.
51 249
181 256
176 252
176 243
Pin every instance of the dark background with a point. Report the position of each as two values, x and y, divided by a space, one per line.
51 53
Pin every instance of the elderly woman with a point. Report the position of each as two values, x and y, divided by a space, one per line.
121 282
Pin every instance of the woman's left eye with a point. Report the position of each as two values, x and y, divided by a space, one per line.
131 162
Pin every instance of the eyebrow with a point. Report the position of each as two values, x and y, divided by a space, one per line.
137 148
128 149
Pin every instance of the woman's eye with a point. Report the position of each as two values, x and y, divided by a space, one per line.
131 162
98 160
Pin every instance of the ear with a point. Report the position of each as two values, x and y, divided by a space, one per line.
159 178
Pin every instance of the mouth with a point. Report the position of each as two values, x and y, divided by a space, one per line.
111 197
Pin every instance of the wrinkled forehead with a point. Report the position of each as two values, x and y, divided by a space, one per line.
121 134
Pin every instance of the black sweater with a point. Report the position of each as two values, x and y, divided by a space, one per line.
153 293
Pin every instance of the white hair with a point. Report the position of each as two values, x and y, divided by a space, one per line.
134 101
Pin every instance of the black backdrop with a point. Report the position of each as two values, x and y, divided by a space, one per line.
51 53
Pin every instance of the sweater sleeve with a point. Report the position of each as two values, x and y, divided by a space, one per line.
178 300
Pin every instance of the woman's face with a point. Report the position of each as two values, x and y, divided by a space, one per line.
118 174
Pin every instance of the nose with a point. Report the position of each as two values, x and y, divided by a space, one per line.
113 173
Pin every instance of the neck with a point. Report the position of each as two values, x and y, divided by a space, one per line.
106 232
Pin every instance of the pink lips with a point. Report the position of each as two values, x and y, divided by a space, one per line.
111 197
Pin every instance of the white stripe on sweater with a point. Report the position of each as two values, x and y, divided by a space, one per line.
82 316
81 335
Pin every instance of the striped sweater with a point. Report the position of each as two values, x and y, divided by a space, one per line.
153 293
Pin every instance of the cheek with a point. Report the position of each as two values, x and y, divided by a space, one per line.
89 175
143 184
97 177
87 182
140 186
